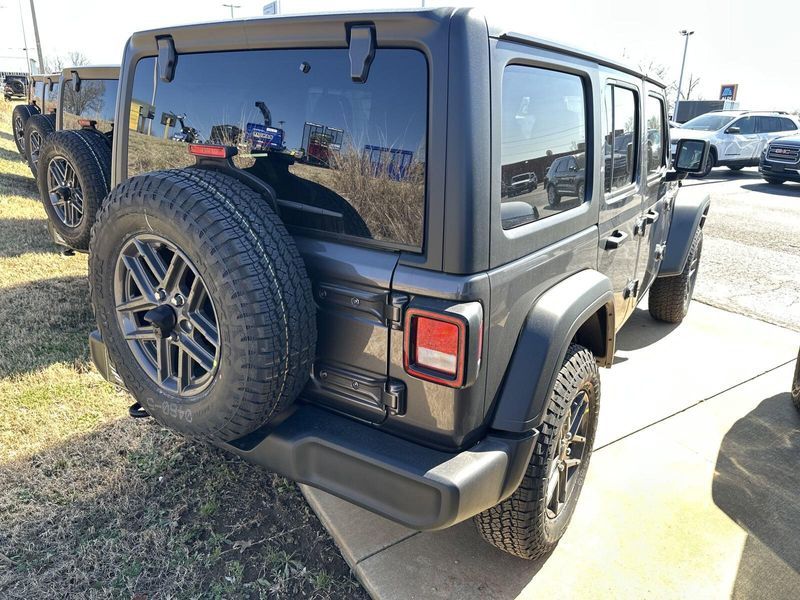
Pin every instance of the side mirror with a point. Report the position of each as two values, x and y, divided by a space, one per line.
733 130
691 156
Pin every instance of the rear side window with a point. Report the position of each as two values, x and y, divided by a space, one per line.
621 137
543 116
94 101
343 157
788 124
51 98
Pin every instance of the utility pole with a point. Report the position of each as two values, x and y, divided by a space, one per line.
231 6
686 35
25 40
36 35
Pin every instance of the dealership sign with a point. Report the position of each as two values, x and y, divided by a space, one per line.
728 91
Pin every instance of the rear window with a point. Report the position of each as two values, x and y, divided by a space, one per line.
38 88
343 157
94 101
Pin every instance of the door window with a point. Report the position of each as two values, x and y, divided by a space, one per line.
621 139
543 120
746 125
656 156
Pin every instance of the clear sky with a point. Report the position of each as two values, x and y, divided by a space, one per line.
735 41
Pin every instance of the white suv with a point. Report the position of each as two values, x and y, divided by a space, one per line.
738 137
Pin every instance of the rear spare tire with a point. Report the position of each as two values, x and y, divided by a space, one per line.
37 130
203 301
19 117
73 180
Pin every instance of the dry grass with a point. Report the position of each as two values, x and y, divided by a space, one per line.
96 505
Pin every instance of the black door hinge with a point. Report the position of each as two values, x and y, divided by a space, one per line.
631 289
394 397
395 307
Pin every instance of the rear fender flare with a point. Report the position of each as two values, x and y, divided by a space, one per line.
550 327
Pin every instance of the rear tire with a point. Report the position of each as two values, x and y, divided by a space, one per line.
773 181
735 167
670 297
37 129
532 520
73 180
237 325
20 116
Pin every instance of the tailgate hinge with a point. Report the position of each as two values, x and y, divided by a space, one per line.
393 312
394 397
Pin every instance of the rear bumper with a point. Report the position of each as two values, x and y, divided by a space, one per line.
414 485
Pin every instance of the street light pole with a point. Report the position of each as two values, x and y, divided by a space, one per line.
232 6
686 35
36 34
25 40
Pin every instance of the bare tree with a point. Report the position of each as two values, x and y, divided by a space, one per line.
693 83
54 64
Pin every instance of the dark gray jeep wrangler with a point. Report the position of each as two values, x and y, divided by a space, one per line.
310 255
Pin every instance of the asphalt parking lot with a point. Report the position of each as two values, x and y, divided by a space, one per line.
693 490
751 249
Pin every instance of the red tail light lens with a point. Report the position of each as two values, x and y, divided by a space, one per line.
435 346
208 150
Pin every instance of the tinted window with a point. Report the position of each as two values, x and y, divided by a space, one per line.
51 98
655 134
621 139
787 124
746 125
94 101
708 122
342 157
543 119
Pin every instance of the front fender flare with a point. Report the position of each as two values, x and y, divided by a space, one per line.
549 328
688 214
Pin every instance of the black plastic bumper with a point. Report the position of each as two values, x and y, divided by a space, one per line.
787 172
414 485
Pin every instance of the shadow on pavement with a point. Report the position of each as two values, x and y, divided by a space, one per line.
641 330
786 189
757 484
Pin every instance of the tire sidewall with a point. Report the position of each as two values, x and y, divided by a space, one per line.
210 409
553 528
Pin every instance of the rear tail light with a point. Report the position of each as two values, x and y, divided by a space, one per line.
211 151
443 347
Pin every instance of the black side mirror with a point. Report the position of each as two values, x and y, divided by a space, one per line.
733 130
691 156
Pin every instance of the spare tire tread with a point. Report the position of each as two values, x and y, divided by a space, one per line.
26 111
261 276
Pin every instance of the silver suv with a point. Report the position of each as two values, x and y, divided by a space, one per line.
737 137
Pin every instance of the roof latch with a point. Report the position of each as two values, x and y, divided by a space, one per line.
167 58
76 81
362 51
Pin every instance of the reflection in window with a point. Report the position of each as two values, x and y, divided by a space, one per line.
656 157
50 98
543 144
342 157
94 101
620 137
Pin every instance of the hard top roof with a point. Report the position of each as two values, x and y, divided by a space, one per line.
92 72
437 15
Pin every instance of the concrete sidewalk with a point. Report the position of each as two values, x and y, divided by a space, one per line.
693 490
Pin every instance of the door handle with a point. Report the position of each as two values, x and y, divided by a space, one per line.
615 240
651 216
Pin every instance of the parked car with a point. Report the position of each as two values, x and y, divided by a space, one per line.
780 161
737 137
74 161
522 183
796 383
566 177
15 87
387 335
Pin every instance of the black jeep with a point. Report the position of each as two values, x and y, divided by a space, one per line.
387 326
